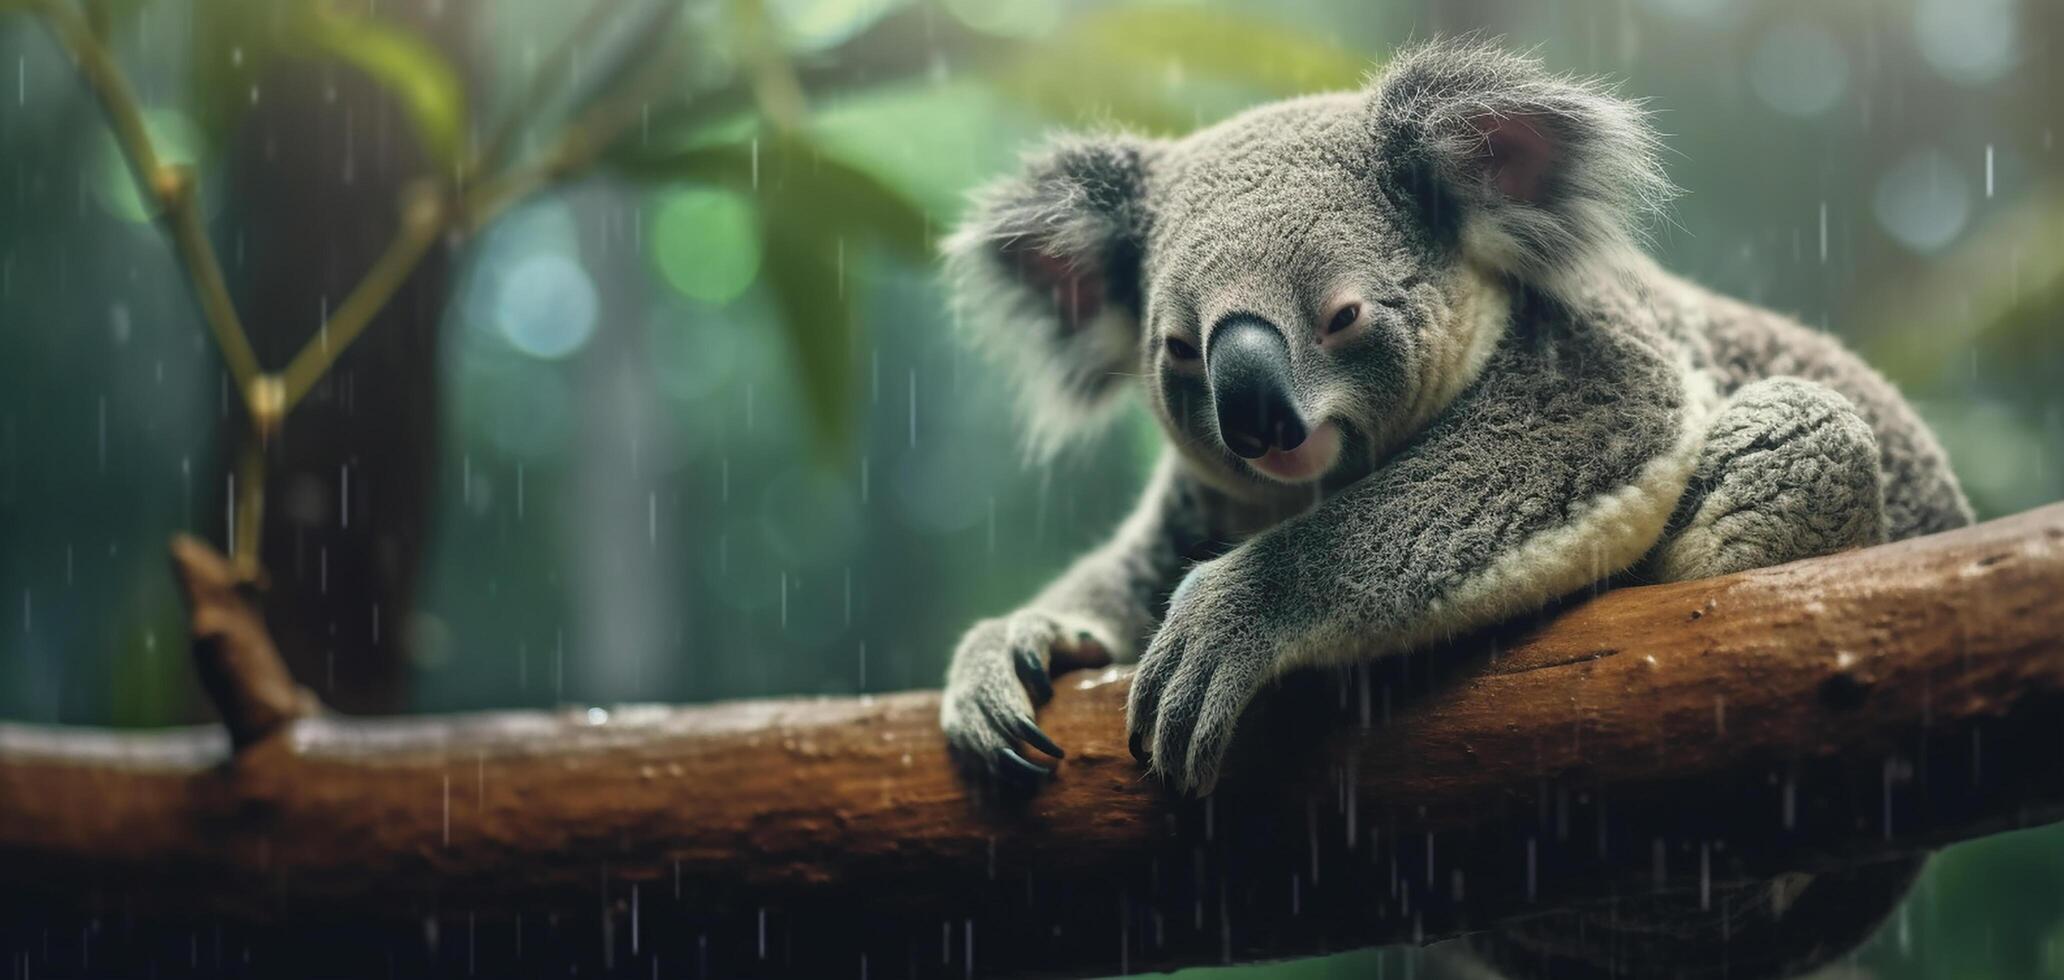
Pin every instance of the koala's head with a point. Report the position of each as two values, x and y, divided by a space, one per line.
1302 287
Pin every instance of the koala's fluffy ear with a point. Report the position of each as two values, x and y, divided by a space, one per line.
1536 174
1045 271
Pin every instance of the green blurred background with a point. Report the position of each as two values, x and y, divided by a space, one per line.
691 423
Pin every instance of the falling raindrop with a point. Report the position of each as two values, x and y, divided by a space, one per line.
1531 866
1823 233
1705 876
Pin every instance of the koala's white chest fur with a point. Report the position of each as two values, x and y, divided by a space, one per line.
1456 356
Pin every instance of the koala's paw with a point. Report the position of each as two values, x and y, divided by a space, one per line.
1213 652
1004 668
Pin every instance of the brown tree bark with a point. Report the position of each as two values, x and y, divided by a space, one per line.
320 164
1828 713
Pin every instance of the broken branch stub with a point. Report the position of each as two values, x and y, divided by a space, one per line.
233 652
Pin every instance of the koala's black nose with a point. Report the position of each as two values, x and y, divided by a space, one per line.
1249 366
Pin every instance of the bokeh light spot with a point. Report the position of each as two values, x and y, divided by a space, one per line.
1799 70
707 243
1923 201
545 306
1968 41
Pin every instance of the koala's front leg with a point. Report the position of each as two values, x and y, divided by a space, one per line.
1093 614
1789 470
1001 671
1558 468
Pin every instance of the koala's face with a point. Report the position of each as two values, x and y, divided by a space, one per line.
1298 321
1303 287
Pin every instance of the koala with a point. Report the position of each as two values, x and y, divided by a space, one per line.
1416 376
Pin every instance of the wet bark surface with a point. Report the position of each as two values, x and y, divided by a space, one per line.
1678 737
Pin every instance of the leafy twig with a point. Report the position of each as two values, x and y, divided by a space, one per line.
548 76
429 209
172 188
579 142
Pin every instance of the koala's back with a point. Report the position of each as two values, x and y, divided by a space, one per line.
1739 343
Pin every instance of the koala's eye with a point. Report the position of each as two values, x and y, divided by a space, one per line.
1345 318
1180 349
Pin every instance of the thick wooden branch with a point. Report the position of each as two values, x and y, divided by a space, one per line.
1835 711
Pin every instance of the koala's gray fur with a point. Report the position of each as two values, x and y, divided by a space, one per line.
1507 401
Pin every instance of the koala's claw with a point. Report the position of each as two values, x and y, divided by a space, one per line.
1024 766
1033 672
1205 664
1001 673
1031 733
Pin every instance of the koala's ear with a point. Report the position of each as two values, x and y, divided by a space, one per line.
1535 174
1045 271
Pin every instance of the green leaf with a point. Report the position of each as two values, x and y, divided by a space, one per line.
1162 68
236 42
408 66
843 197
806 280
1974 303
816 212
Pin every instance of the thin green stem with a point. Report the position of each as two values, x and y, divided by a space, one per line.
249 512
172 189
424 217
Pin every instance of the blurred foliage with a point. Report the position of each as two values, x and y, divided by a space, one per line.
237 41
814 204
407 65
1121 66
1990 311
1144 67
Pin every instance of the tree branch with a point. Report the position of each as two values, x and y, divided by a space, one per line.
1842 710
